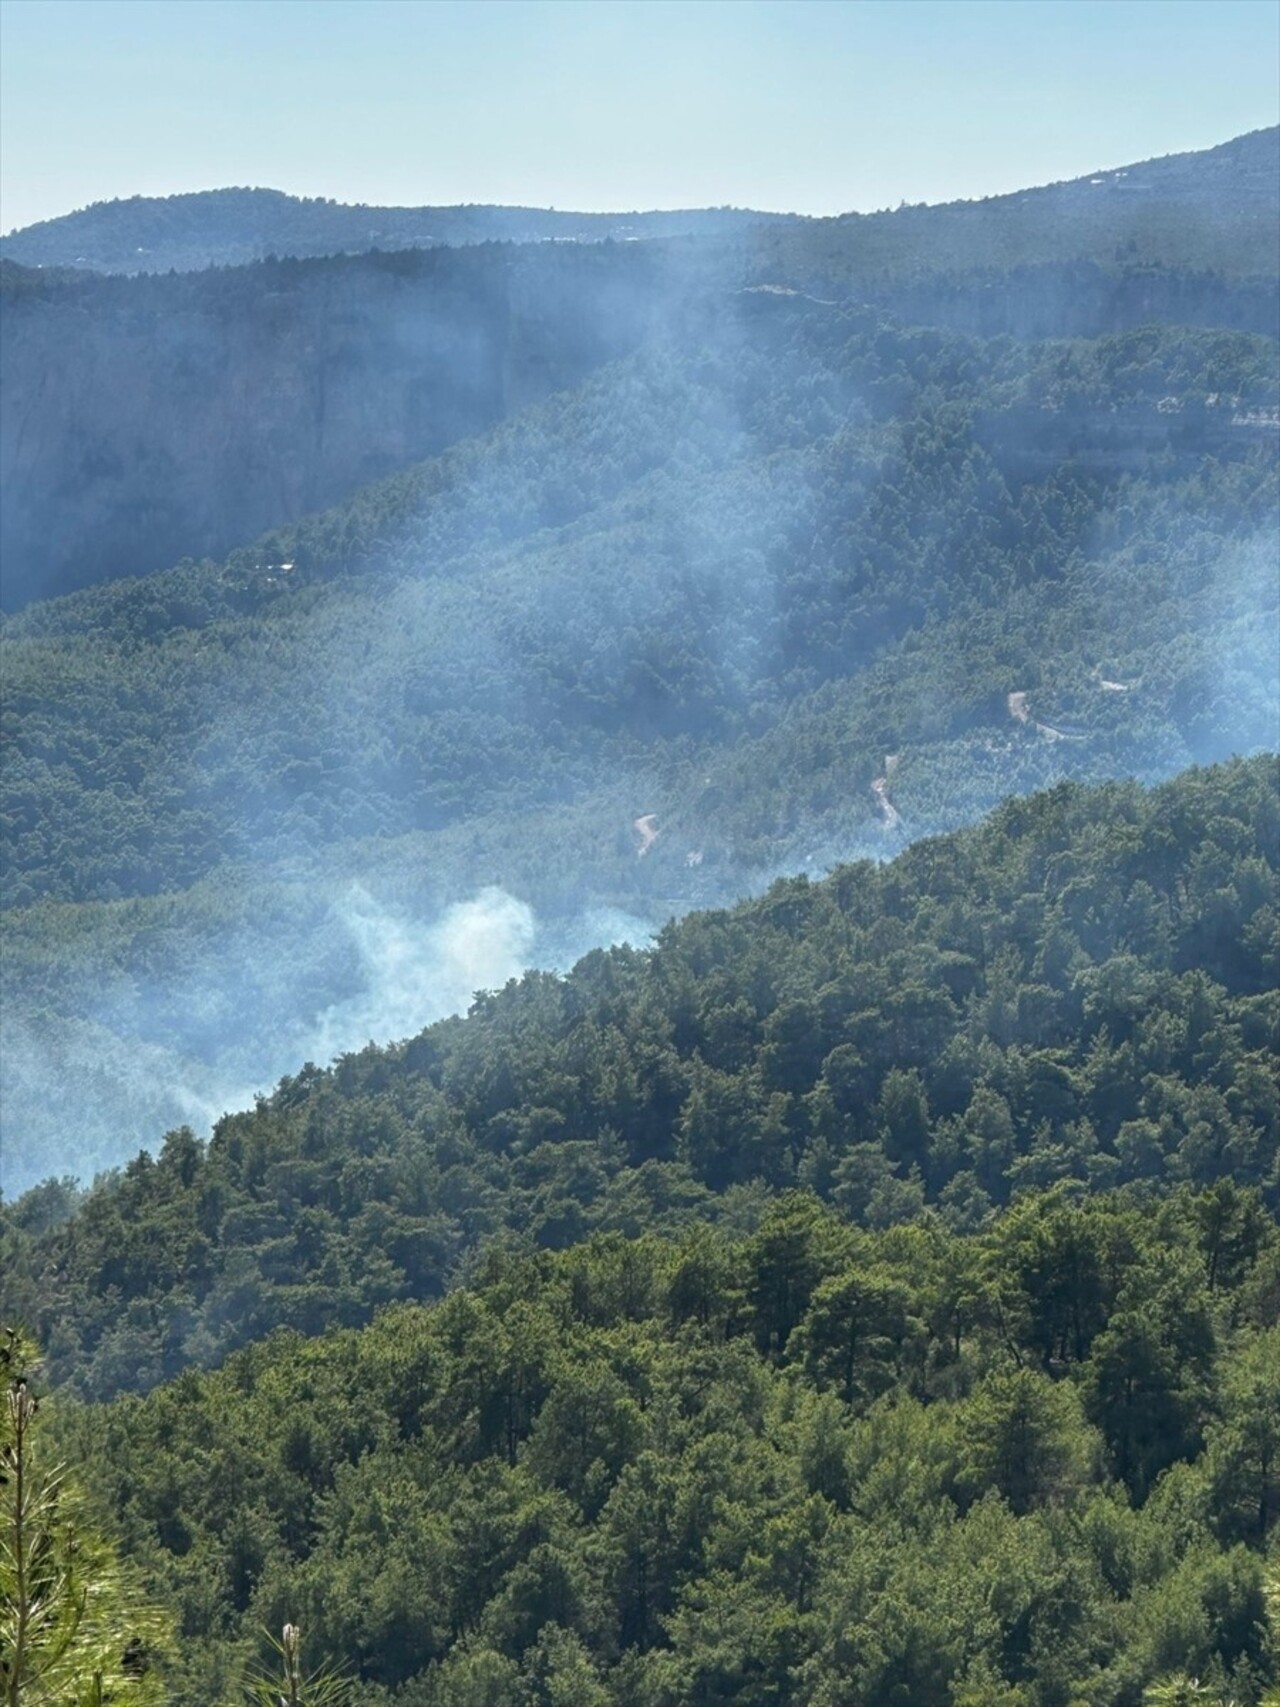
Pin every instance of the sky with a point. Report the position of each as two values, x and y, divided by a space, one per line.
814 106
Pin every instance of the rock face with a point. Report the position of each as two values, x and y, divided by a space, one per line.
145 420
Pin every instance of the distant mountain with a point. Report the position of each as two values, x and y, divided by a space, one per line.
153 234
151 418
1178 208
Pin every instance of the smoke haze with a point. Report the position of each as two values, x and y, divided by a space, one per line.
719 547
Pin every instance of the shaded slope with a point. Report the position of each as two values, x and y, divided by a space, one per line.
248 396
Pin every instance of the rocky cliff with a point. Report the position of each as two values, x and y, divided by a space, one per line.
146 420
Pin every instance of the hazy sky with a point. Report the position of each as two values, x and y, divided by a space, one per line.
816 105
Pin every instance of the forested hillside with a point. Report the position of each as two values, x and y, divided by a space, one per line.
808 1465
1082 990
639 890
791 583
247 396
1182 209
146 419
736 557
871 1289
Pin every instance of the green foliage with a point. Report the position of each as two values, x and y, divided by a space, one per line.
865 1295
736 555
288 1683
987 1015
73 1630
565 1484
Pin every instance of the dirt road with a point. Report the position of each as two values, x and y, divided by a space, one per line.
1018 711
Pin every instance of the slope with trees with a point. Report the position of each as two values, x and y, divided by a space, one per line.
1079 992
716 584
803 1466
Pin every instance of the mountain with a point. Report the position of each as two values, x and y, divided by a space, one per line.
803 590
954 1174
228 228
707 580
148 419
1165 208
1215 209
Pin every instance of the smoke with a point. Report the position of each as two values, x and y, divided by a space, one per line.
655 593
411 974
82 1095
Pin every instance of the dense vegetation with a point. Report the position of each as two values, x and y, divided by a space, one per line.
1080 991
1034 1466
76 1630
250 395
868 1294
693 542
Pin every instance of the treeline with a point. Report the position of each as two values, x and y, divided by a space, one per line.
1213 211
811 1466
1079 992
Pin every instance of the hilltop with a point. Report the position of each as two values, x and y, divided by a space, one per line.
1198 197
230 227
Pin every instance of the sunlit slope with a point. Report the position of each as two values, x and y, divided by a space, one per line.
1082 988
791 1461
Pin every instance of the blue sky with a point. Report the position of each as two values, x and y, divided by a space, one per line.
816 105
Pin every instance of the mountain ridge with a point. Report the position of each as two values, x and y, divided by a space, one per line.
105 229
235 225
252 394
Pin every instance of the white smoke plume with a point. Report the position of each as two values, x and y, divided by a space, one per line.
414 973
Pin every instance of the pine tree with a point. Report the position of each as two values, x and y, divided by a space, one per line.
73 1632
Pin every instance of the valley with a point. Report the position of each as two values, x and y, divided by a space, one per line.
638 933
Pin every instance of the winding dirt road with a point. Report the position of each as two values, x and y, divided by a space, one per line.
1018 711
